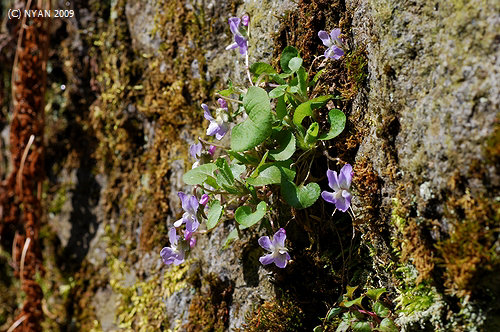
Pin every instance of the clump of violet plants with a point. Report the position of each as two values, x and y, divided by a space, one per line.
274 134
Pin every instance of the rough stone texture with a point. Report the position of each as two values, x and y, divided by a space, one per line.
436 67
430 103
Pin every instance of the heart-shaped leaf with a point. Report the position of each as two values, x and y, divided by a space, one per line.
294 64
306 108
337 124
246 218
257 127
286 145
259 68
273 173
288 54
199 174
302 196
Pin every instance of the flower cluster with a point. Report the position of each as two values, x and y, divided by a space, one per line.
240 33
235 182
178 249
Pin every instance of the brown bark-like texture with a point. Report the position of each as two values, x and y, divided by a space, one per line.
21 190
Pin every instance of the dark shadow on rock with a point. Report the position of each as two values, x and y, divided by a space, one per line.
250 258
83 220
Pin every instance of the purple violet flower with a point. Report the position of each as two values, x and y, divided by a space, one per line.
172 254
333 42
223 103
341 196
218 126
211 150
204 199
195 150
279 254
188 236
245 19
190 206
239 40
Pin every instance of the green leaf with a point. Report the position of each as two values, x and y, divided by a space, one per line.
214 213
246 218
278 79
224 170
225 178
278 91
273 173
243 158
356 301
257 127
316 77
387 325
255 173
302 196
237 170
286 145
361 327
302 76
294 89
375 294
350 291
294 64
312 133
288 54
380 309
318 328
343 327
233 235
306 109
281 111
259 68
337 124
332 313
199 174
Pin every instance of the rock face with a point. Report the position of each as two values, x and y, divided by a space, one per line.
423 123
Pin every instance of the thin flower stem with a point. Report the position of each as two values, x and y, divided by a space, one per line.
211 143
308 171
341 250
248 68
229 99
214 192
316 58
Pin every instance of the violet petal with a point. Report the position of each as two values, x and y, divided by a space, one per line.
265 243
267 259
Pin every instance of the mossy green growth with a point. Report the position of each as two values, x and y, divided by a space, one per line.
141 306
60 198
279 315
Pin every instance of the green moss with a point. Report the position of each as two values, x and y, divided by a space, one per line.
60 198
141 306
280 315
